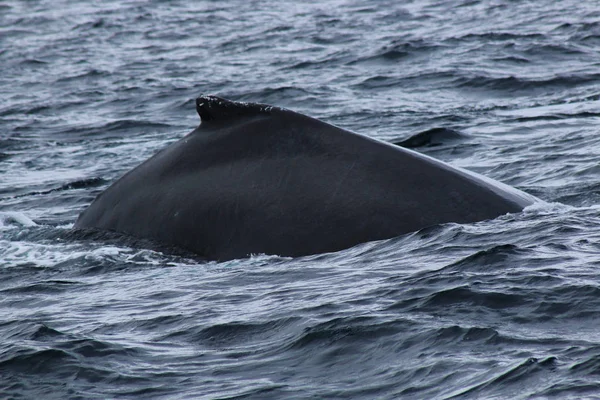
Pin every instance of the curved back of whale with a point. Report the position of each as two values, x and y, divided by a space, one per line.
254 178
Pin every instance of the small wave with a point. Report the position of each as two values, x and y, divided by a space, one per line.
431 137
91 348
236 333
34 361
349 330
125 125
571 28
44 333
155 325
391 81
590 366
464 296
379 81
457 334
554 50
16 32
34 62
590 40
498 36
513 376
512 60
485 260
571 389
46 287
568 301
92 73
331 60
90 25
513 83
78 184
558 116
31 372
398 50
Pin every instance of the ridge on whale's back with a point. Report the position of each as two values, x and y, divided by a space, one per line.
255 178
211 108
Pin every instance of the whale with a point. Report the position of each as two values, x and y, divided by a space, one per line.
259 179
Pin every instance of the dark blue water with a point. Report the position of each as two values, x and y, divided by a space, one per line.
508 308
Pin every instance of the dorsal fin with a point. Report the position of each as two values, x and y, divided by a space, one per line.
213 108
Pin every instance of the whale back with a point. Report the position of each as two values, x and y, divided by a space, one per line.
253 179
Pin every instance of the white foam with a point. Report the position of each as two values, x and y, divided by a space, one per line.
46 255
8 218
542 207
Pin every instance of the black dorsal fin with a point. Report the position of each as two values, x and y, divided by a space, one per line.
213 108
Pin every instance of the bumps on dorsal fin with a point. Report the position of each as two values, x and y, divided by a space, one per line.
213 108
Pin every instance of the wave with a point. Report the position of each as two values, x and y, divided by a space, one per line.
78 184
514 83
432 137
398 50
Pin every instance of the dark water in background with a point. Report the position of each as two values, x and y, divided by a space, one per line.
508 308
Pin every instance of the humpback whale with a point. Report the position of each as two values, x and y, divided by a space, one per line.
254 178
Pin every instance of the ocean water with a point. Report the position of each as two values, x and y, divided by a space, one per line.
502 309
